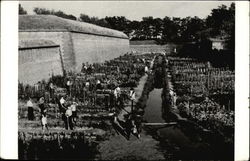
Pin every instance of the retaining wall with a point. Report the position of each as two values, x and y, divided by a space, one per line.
75 48
38 63
94 48
63 39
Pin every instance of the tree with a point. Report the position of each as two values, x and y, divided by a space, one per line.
84 18
229 28
219 19
21 10
44 11
118 23
222 24
171 29
147 27
193 26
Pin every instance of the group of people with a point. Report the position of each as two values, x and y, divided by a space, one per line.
68 112
43 111
89 85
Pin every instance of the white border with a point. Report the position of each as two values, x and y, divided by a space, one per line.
9 80
9 69
242 82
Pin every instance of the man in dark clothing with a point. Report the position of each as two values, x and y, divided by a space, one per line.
128 125
66 114
69 119
51 90
42 107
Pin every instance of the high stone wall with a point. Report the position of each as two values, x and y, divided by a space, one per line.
74 48
94 48
37 64
63 39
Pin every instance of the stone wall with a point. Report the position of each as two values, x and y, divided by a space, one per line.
38 63
75 48
94 48
63 39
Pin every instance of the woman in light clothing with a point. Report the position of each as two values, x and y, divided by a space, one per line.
30 109
44 122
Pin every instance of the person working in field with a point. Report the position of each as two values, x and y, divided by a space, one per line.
117 93
73 108
69 118
30 109
42 106
146 69
131 125
61 104
44 122
43 111
69 86
51 90
66 115
132 98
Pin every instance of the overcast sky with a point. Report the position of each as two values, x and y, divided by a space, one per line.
132 10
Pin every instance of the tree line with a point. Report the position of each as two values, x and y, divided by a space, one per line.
220 23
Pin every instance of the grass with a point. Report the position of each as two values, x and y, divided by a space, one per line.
50 22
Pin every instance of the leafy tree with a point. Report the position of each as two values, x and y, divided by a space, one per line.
193 26
171 29
157 28
44 11
219 19
84 18
222 24
21 10
118 23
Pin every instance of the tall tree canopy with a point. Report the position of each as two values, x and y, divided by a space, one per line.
43 11
220 23
21 10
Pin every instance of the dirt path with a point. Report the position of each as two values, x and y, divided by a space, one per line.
138 91
118 147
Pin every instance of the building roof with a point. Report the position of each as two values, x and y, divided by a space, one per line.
54 23
35 43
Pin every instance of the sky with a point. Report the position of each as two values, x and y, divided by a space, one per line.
132 10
